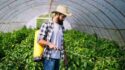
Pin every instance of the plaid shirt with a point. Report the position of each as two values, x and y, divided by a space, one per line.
46 31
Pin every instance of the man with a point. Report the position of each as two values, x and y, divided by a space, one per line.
51 37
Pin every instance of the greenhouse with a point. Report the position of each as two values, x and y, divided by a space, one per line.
94 34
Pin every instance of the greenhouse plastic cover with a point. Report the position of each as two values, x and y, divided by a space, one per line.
106 18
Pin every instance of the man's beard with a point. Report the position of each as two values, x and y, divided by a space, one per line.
60 22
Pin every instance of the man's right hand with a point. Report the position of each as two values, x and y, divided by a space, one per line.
51 45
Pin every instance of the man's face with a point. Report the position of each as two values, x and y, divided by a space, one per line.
61 17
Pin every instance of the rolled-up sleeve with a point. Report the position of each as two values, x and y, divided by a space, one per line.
43 32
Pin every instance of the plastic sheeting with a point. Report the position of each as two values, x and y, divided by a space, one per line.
106 18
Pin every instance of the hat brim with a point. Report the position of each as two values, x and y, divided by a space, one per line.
67 14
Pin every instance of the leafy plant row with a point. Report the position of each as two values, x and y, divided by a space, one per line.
88 52
84 51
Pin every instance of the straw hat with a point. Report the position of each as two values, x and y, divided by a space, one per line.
62 9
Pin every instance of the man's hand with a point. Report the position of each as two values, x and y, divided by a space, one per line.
52 46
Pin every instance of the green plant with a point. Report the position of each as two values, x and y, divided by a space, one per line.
84 51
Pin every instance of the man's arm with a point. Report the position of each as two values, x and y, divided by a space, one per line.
65 59
42 37
65 55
